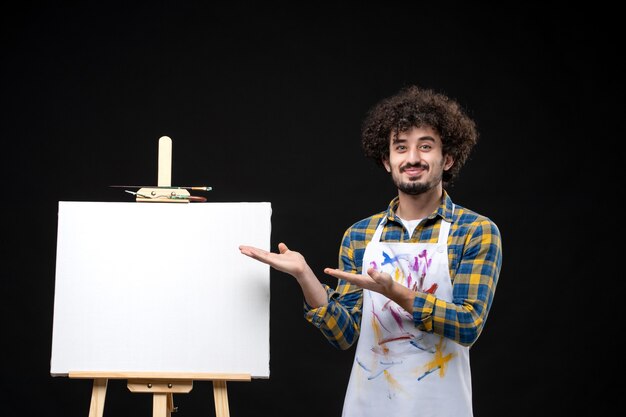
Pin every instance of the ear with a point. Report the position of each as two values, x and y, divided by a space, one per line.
386 164
448 162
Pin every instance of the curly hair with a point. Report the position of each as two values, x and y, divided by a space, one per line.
416 107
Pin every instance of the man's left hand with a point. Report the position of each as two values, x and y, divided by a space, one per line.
380 282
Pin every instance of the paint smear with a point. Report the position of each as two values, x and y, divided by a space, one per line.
375 316
432 289
416 264
439 362
393 383
426 374
396 317
389 260
420 347
392 339
362 365
378 334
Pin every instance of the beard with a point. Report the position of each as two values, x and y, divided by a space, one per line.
416 187
413 188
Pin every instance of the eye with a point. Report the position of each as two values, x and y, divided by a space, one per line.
426 147
400 148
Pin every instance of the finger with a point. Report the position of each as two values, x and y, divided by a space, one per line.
246 250
338 273
372 272
282 248
255 253
378 276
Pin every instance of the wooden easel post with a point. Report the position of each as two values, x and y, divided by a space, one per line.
162 393
164 192
164 178
162 385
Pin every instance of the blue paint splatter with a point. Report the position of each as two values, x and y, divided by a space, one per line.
362 365
414 343
390 363
389 260
428 373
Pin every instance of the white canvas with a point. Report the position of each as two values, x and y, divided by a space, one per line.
161 287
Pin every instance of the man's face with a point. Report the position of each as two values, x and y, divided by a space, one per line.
416 160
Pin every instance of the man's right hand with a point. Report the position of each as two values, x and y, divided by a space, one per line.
292 263
287 261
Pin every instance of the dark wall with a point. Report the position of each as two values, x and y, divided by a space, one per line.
264 103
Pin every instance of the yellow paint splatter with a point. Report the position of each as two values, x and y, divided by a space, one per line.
398 275
393 383
377 332
439 359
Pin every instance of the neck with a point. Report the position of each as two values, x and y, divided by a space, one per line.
413 207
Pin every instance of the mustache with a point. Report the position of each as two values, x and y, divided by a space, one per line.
418 165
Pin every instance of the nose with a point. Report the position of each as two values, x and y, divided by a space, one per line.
413 156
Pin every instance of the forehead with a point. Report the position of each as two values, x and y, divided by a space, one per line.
416 133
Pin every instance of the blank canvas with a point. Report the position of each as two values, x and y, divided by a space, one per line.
161 287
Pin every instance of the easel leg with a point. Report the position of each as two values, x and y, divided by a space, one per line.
221 398
159 405
98 395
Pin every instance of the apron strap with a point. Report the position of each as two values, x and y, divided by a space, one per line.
379 230
444 230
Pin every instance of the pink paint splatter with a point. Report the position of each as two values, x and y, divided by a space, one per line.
396 317
416 264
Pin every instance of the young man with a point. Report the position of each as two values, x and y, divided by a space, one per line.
416 281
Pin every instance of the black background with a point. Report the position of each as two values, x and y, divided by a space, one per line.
264 103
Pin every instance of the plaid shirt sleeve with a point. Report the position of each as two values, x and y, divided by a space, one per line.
472 290
340 319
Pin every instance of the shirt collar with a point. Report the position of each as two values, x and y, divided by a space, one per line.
444 210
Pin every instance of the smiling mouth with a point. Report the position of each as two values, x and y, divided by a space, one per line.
413 172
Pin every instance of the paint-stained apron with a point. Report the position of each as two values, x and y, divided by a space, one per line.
398 370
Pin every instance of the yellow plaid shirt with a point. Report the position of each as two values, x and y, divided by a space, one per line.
475 259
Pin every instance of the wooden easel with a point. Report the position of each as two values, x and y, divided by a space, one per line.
162 385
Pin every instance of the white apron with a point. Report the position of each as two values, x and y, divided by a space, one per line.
398 370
